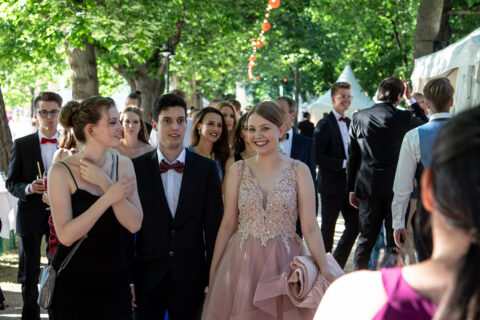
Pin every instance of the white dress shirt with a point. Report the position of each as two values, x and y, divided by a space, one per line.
286 145
47 150
344 132
172 181
406 167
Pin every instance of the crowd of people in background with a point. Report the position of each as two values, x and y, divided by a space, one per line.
202 213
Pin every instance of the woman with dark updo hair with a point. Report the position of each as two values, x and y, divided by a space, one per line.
93 199
447 285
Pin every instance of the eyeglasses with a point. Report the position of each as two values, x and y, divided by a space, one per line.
344 97
45 113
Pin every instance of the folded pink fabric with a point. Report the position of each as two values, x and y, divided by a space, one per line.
305 285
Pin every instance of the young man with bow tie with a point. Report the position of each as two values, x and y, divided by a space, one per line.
182 206
332 141
30 154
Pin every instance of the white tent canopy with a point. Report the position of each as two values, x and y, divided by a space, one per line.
460 63
324 103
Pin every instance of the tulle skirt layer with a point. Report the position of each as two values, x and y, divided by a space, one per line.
250 281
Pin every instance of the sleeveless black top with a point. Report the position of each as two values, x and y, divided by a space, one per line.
99 272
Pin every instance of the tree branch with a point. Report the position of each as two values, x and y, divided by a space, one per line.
463 12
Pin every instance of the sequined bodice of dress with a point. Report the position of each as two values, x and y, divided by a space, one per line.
265 216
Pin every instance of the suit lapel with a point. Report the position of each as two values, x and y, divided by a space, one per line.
164 209
337 131
295 152
37 153
185 186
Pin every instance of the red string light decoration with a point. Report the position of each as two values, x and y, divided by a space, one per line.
258 43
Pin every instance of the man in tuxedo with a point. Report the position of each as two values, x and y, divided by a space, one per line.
295 145
305 126
415 155
331 148
24 182
182 206
376 134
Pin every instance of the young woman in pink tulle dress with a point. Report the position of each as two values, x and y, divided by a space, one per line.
257 241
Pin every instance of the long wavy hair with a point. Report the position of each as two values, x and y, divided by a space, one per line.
220 149
143 133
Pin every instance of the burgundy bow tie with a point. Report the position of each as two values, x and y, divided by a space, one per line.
342 119
45 140
177 166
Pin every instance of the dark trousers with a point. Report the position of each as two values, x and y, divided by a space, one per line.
373 211
331 207
28 273
181 302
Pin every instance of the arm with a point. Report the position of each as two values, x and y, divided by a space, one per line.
14 183
230 217
403 183
321 136
228 164
354 158
308 221
71 229
213 213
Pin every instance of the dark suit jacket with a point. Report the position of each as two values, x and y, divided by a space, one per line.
303 150
32 215
306 128
330 154
376 135
180 246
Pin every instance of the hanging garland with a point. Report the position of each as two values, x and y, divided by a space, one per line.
258 43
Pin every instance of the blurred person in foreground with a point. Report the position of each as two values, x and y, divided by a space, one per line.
445 286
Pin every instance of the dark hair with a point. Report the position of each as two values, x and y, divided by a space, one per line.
292 105
456 188
48 96
67 138
238 142
439 94
220 149
143 133
179 93
77 115
389 89
137 96
166 101
337 86
236 104
306 114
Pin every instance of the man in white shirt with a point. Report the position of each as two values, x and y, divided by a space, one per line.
182 209
332 141
31 157
415 155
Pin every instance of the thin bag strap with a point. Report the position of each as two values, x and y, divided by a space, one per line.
70 255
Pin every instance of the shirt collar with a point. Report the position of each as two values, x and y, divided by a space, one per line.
180 158
41 135
440 115
337 115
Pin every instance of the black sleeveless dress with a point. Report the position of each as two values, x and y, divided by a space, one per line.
95 283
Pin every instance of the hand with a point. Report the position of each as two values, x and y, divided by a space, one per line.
45 198
355 202
407 93
399 236
121 189
37 186
93 174
132 290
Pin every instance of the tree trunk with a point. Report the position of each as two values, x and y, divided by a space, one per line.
83 71
5 136
428 26
195 99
